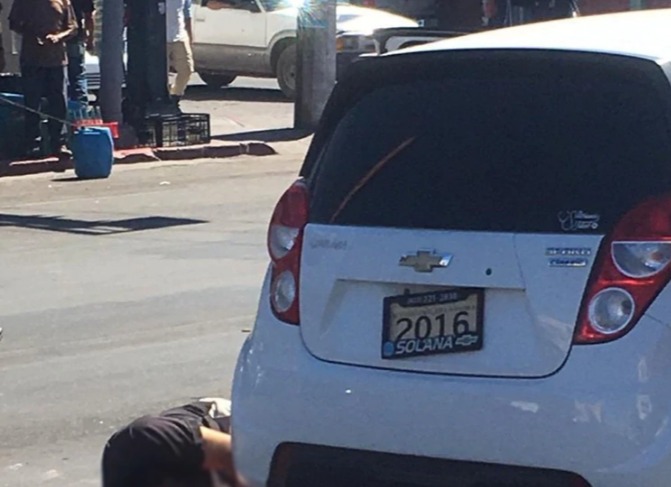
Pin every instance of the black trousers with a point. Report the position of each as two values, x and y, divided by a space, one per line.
44 82
157 451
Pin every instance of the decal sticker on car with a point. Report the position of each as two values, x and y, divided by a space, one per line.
577 220
568 256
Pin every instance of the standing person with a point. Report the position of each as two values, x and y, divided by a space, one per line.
501 11
77 47
45 26
464 15
179 36
556 9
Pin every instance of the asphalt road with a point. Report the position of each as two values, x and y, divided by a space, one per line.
124 296
247 109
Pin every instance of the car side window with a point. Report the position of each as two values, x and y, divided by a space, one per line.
271 5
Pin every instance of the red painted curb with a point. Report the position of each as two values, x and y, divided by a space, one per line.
135 156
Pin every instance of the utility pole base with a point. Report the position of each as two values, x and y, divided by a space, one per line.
316 61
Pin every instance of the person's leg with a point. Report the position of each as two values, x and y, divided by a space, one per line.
169 49
56 98
182 60
77 85
32 80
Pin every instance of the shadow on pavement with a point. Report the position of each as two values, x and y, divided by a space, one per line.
93 228
275 135
204 93
69 179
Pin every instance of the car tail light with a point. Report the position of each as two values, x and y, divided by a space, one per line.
285 237
631 269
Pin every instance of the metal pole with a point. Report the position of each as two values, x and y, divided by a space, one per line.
316 61
111 60
147 63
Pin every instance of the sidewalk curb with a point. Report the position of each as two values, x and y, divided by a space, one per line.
216 150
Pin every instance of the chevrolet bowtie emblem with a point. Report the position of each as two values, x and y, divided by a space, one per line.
425 261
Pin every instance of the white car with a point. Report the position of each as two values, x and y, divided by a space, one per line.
92 71
469 281
258 38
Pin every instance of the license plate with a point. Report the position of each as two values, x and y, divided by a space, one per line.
439 322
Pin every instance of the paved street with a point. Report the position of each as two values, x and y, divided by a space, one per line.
123 296
247 109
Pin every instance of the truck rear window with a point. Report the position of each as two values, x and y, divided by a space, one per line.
506 153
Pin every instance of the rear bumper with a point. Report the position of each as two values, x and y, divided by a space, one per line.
296 465
605 416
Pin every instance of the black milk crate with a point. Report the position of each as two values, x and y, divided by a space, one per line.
175 130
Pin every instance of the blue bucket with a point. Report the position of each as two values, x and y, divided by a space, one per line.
93 152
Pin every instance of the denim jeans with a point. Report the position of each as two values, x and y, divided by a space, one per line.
77 86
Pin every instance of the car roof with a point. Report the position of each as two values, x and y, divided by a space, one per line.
643 34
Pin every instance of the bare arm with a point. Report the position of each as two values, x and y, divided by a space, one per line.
218 452
90 25
70 28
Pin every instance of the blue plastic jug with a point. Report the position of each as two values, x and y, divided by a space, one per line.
93 152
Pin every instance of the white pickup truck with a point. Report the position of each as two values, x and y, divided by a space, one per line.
257 38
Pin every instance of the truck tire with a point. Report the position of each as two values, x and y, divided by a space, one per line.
286 71
216 81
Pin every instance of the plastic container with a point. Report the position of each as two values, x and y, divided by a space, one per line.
93 152
173 131
75 107
112 126
80 115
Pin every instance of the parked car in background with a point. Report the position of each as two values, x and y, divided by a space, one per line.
415 9
394 39
424 11
258 38
92 65
469 280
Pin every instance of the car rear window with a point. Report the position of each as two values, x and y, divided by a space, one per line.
558 152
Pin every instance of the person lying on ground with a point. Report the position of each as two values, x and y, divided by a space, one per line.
187 446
